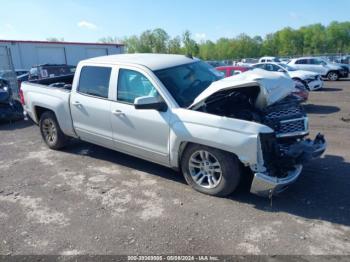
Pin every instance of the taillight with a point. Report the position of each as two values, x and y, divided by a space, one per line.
21 97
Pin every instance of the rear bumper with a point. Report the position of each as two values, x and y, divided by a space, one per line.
266 185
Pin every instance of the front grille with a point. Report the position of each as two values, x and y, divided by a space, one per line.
287 119
286 112
293 127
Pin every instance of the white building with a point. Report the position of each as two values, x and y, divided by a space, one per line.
25 54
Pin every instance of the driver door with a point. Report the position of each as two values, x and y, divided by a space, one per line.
140 132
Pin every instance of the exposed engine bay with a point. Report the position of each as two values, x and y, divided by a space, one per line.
287 146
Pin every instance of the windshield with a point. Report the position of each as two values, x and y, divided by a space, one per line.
287 67
186 82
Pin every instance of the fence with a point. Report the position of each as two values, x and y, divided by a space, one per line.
343 58
7 71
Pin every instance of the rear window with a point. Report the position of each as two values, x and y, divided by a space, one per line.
94 80
54 71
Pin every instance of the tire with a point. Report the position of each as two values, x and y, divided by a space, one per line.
51 131
194 169
333 76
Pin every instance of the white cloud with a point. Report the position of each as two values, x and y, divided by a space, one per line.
294 15
200 36
87 25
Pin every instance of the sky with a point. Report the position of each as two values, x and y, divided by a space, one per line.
90 20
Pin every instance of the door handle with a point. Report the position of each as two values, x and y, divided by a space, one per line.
76 103
117 112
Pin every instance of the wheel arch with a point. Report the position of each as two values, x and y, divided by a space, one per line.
185 144
39 111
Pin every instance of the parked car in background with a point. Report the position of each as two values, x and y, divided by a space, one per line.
6 74
310 80
50 70
285 60
343 60
266 59
247 61
232 70
10 109
22 78
178 112
216 63
323 67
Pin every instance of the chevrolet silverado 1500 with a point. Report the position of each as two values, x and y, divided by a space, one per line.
178 112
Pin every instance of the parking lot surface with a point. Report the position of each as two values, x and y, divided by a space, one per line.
90 200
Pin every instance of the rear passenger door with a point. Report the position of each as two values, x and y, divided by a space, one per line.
303 64
90 105
317 66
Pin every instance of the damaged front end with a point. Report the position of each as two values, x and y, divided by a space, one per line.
286 150
283 164
266 98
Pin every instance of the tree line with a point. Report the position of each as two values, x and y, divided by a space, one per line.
307 40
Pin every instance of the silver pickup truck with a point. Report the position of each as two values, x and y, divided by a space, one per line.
177 111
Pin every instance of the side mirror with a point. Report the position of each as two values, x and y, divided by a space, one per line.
150 102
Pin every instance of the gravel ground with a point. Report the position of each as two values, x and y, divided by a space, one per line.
90 200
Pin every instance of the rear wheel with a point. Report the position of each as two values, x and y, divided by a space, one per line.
210 171
333 76
51 131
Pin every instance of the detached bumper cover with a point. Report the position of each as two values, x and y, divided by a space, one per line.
265 185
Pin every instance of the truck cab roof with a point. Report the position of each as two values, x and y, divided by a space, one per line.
152 61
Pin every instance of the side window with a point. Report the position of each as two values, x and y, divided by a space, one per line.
261 66
94 80
132 84
315 61
301 62
270 67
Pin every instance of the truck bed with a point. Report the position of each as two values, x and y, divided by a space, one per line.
64 82
43 95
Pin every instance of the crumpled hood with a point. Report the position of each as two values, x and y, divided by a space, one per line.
273 87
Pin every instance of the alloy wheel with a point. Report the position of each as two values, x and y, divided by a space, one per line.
49 131
205 169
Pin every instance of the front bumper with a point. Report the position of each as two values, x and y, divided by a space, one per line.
266 185
343 73
315 85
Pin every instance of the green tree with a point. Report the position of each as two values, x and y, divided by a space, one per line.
207 50
191 47
311 39
132 44
174 45
160 41
109 40
338 37
55 39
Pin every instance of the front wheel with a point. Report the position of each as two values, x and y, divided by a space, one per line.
333 76
51 131
210 171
